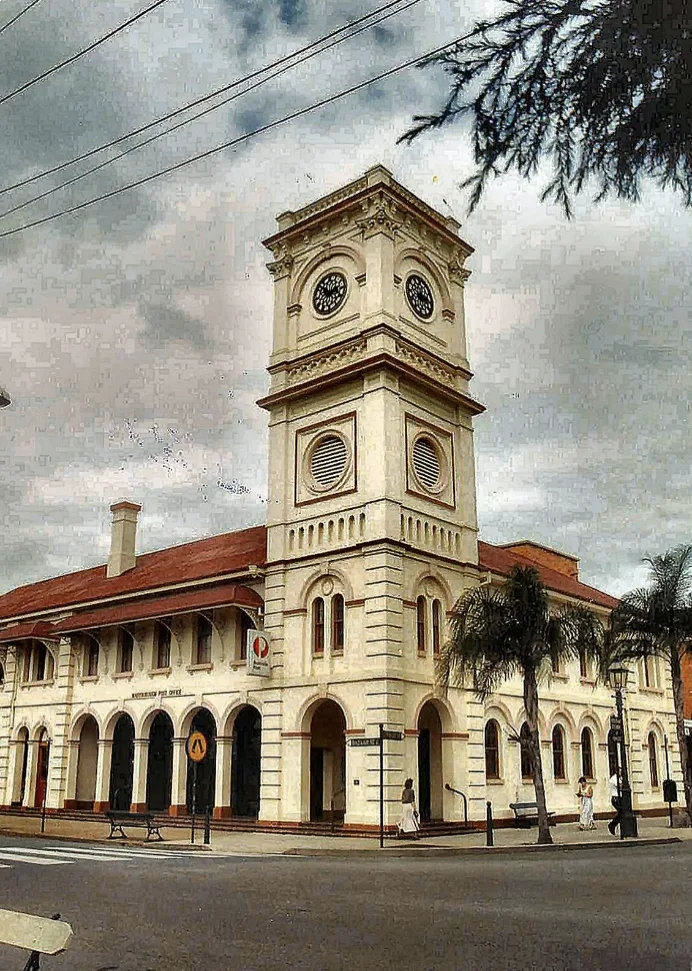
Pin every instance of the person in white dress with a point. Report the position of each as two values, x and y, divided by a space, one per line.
585 794
408 824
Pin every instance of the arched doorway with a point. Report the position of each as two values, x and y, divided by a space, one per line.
429 763
20 767
328 763
206 770
122 763
160 763
87 761
245 763
42 758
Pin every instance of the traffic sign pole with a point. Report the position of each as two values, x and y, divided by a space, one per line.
381 785
194 800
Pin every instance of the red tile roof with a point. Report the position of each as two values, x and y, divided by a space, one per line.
20 632
172 603
496 559
202 559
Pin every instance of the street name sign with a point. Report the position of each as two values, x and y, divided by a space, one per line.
394 736
363 742
196 746
34 933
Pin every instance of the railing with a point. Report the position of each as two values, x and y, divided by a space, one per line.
334 795
463 796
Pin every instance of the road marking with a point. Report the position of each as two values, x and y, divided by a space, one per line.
21 858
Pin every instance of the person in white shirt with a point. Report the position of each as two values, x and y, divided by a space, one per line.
616 801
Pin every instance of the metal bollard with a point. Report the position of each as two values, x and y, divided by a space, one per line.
489 841
207 828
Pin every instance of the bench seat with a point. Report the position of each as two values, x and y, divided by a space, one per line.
526 814
119 818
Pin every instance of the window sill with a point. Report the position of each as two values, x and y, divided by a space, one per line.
37 684
155 671
207 666
124 675
652 691
88 678
561 782
589 681
559 676
242 663
337 653
494 782
318 657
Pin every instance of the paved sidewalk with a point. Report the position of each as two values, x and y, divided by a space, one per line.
565 835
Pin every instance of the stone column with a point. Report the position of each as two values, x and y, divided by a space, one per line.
103 775
139 775
179 779
31 764
224 748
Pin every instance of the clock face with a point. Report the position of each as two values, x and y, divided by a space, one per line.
329 293
419 296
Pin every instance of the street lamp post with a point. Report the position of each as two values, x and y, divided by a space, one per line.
628 821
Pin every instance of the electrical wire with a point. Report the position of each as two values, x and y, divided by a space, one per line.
17 16
75 57
199 101
206 111
235 141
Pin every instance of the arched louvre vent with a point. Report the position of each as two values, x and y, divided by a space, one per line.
426 462
328 460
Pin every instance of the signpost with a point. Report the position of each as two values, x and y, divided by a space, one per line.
196 747
670 790
377 741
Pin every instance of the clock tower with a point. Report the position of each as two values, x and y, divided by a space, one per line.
371 464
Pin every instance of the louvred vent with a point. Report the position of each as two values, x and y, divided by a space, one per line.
328 461
426 462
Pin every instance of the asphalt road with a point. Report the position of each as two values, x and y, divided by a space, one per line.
579 911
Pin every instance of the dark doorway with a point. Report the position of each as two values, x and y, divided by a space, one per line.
122 763
41 769
424 775
23 756
160 763
430 784
245 763
316 784
328 763
206 770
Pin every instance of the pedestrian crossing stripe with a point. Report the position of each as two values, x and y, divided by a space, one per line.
57 856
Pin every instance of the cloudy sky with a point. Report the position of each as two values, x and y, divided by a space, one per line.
134 334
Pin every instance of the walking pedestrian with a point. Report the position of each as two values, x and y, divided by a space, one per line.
585 794
616 802
409 815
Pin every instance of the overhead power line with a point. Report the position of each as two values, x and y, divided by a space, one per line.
86 50
18 15
236 141
207 97
270 77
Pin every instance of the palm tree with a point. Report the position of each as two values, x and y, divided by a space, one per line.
498 633
656 621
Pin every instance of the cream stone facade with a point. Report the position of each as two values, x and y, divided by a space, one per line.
370 539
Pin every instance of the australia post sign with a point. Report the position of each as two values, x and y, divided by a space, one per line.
258 653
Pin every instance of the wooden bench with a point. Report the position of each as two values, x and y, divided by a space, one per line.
119 818
40 935
526 814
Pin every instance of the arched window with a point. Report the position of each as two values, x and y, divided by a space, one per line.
649 666
653 761
126 643
420 624
162 644
318 626
203 647
492 750
525 750
436 622
612 754
587 753
92 659
559 753
583 665
337 624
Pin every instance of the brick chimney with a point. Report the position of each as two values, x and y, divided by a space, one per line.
123 538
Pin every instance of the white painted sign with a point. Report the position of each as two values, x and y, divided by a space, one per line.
258 654
34 933
687 722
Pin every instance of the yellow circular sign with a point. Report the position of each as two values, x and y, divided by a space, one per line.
197 746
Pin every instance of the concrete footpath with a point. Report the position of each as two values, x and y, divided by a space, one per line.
566 836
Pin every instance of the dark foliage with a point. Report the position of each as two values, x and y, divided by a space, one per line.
602 88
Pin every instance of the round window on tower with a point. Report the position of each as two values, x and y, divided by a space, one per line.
330 293
419 296
427 460
327 461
